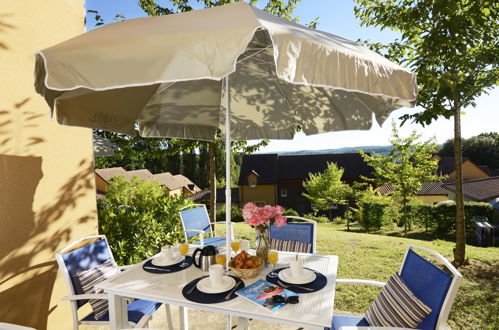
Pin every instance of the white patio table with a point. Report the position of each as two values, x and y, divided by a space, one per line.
314 311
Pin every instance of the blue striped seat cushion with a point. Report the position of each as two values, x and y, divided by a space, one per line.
90 277
396 306
290 246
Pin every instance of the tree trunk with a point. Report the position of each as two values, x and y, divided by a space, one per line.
460 250
213 183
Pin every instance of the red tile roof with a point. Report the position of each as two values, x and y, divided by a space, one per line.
428 189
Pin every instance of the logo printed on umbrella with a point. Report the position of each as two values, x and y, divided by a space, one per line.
104 119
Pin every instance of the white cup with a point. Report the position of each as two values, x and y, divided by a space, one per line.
244 245
167 253
216 275
296 267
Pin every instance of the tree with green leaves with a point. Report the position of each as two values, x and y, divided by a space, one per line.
405 168
482 149
454 48
325 189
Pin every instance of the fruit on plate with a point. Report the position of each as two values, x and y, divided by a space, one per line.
246 261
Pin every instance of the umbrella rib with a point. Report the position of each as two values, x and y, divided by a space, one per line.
255 53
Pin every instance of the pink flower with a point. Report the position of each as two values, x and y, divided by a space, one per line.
253 221
280 220
249 210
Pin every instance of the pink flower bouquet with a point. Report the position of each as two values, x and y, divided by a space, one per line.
262 217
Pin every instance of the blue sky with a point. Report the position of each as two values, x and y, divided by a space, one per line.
337 17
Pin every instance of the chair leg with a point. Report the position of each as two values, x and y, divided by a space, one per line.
228 323
184 319
169 317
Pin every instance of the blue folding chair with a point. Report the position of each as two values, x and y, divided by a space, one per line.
76 258
304 232
433 286
196 221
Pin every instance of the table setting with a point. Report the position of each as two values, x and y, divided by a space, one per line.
168 261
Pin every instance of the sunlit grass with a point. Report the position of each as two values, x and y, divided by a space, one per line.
377 257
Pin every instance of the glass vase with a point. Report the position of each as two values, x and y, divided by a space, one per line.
263 244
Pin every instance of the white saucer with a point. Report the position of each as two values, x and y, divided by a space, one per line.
204 285
158 261
308 276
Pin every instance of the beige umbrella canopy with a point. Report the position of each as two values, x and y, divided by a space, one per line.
176 75
166 73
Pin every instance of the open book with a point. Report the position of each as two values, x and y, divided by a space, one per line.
261 293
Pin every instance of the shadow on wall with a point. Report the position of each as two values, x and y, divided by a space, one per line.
4 27
28 241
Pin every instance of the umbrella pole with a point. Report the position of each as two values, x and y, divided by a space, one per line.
228 194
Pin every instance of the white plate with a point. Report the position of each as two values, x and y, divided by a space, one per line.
158 261
205 285
307 277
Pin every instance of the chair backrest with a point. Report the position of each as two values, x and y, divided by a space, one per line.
195 217
80 259
435 287
304 232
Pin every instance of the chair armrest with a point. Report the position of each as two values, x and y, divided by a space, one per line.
195 231
353 281
372 328
86 296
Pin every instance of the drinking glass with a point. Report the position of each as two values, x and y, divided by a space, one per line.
235 245
221 259
272 257
184 249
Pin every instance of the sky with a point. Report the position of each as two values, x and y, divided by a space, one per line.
337 17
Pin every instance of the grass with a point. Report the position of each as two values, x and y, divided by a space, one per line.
378 256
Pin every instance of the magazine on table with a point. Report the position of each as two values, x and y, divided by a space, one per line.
261 293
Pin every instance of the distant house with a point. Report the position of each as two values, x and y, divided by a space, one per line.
478 190
471 171
173 184
434 192
272 179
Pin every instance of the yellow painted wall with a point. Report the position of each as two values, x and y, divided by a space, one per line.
470 172
47 184
262 193
175 192
100 184
430 200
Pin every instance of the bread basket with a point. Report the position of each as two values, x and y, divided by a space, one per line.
246 273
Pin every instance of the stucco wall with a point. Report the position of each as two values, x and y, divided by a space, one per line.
47 190
430 200
262 193
100 184
470 172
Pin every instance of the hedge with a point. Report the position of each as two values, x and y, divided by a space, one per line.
439 219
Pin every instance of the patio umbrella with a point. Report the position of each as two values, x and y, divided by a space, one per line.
232 68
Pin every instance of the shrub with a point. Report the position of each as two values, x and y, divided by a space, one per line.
291 212
318 218
138 217
339 221
236 214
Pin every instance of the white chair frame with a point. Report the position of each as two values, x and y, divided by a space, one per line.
314 223
201 232
449 298
74 297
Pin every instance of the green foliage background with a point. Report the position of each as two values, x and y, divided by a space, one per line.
138 217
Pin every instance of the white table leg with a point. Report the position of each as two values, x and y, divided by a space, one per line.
118 317
242 323
184 318
228 325
169 317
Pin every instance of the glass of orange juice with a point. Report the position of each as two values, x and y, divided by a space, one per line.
184 249
221 259
235 245
272 257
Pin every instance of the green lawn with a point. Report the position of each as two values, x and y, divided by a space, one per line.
376 257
